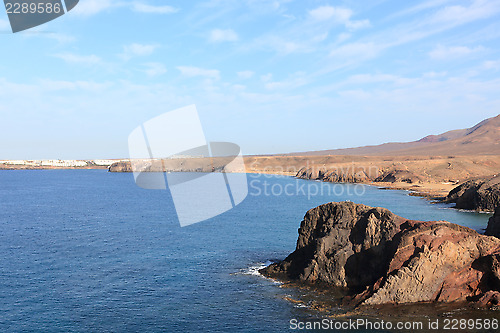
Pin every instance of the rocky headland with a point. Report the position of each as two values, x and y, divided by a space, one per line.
481 194
381 258
493 228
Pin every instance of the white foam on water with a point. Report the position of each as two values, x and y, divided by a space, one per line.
254 269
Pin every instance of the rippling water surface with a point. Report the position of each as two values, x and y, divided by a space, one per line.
87 250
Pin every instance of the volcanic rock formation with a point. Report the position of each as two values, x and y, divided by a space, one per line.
380 257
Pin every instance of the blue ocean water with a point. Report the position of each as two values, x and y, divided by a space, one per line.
87 250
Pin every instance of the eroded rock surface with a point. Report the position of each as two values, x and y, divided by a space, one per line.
384 258
479 194
493 228
350 174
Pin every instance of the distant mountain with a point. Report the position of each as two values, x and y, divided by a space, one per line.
482 139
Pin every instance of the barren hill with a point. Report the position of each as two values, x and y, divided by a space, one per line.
481 139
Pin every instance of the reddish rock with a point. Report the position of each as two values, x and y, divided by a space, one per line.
383 258
489 299
478 194
350 174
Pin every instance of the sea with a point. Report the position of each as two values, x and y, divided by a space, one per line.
89 251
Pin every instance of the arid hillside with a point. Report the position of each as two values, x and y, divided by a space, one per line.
481 139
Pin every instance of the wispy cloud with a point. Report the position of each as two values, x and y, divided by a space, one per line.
60 37
267 77
245 74
491 64
446 52
439 20
318 57
73 58
58 85
324 13
4 24
433 75
309 32
459 14
138 50
357 51
320 37
154 69
281 45
378 78
221 35
339 15
421 7
292 82
191 71
267 5
150 9
343 37
92 7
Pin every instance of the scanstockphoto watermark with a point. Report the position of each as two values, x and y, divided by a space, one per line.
260 186
439 324
354 325
26 14
171 152
335 171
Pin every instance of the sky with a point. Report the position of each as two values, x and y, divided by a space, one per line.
273 76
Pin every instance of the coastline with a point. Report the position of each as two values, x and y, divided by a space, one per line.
431 191
4 168
430 177
89 164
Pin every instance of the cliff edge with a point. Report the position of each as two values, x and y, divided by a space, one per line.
381 258
481 194
493 228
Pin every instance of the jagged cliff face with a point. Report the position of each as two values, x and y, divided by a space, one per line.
383 258
337 241
480 194
359 174
493 228
351 175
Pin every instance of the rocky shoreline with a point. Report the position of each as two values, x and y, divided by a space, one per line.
481 194
381 258
493 228
466 181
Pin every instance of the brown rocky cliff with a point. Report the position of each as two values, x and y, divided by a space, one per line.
493 228
120 167
383 258
481 194
338 241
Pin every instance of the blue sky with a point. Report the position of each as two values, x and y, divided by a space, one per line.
271 75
